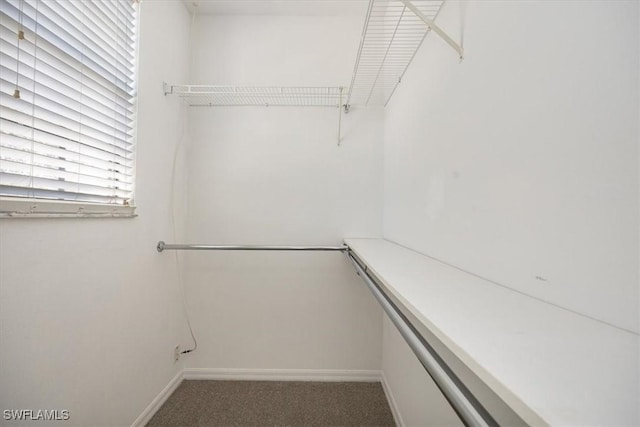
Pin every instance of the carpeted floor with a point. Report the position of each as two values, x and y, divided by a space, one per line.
271 403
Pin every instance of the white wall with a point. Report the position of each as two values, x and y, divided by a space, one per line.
520 164
521 161
418 400
89 311
276 176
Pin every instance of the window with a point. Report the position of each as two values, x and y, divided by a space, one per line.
67 76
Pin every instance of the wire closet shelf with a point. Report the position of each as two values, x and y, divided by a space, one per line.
393 32
245 96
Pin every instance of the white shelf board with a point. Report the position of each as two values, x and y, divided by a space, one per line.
542 360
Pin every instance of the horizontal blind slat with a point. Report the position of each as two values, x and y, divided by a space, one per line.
49 171
53 62
44 96
46 132
58 160
29 179
125 19
59 37
114 37
87 36
53 25
69 96
66 149
63 148
42 109
24 124
37 193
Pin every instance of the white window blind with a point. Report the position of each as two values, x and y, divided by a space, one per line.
68 90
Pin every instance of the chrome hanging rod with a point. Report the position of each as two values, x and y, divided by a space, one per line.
162 246
469 410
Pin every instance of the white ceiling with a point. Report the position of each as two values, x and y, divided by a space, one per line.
279 7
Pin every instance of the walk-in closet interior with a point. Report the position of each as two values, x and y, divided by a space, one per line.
409 212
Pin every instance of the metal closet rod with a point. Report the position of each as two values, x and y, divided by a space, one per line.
469 410
162 246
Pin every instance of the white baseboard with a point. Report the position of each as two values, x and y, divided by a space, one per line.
397 417
153 407
281 374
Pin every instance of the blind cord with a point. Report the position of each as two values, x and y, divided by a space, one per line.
33 95
16 92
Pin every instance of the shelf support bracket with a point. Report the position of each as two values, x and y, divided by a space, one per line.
435 28
340 117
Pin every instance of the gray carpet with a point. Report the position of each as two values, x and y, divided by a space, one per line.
274 403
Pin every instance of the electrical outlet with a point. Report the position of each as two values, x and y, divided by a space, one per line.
176 353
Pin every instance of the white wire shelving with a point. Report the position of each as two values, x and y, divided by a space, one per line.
393 32
243 96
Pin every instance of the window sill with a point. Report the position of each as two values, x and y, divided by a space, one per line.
32 208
